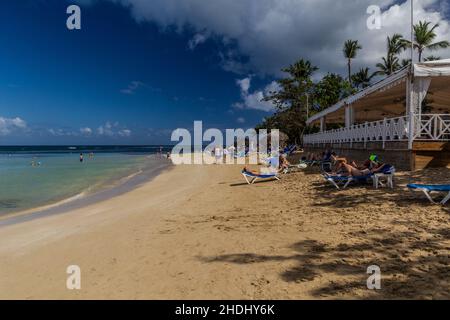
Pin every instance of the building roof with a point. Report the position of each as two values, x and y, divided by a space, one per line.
388 96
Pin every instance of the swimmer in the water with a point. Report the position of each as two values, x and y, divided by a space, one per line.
81 157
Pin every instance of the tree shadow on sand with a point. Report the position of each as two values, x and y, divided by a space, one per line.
400 196
412 266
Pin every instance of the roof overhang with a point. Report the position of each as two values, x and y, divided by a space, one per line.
388 96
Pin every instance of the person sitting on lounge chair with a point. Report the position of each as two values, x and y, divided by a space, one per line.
284 163
340 161
355 172
371 163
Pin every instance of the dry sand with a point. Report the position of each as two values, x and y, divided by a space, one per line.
198 232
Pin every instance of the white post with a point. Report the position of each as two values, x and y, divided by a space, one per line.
410 109
349 116
366 133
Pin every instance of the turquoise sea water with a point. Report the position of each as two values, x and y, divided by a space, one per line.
60 176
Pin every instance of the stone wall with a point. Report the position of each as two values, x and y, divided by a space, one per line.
395 153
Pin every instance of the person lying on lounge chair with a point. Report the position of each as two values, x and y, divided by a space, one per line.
355 172
340 162
262 171
273 168
337 158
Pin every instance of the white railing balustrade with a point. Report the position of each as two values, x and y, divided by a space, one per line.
426 127
432 127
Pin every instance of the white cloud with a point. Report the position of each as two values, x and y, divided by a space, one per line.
196 40
61 132
10 125
86 131
254 100
275 33
244 84
132 87
135 85
124 133
113 129
240 120
106 129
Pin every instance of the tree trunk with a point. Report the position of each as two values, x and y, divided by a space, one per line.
350 71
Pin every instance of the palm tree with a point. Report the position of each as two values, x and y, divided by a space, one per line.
302 69
351 48
405 62
432 58
389 66
424 37
395 45
362 78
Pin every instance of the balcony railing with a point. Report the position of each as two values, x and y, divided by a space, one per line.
435 127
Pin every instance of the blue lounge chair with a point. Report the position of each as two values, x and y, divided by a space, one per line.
427 189
289 150
251 178
342 182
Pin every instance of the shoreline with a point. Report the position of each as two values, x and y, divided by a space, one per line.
115 188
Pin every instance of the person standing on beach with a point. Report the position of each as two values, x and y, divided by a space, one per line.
218 155
81 157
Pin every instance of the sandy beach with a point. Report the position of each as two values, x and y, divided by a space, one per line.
199 232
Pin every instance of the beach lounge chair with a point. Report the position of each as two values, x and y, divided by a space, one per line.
388 174
427 189
342 182
295 167
289 150
251 178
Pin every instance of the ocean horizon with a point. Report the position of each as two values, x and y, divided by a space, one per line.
83 148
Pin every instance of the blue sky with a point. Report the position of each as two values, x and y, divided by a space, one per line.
133 80
139 69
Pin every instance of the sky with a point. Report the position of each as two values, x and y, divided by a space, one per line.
138 69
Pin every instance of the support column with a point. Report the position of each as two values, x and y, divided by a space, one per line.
349 116
410 111
323 124
416 91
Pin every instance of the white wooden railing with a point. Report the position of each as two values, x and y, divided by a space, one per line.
434 127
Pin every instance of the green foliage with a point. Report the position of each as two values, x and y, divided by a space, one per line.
424 37
432 58
291 100
391 63
300 97
351 48
362 78
329 91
